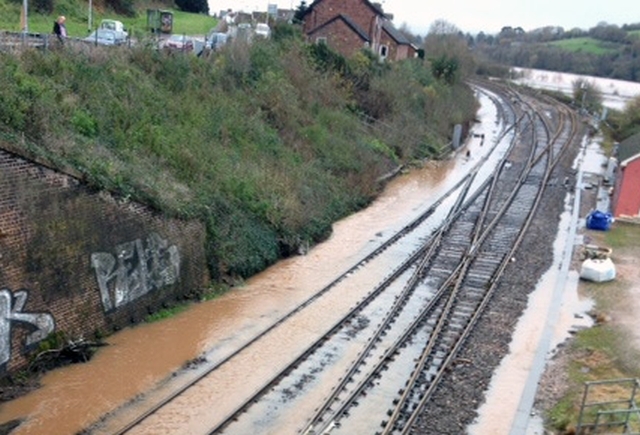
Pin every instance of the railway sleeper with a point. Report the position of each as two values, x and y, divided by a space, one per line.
471 296
478 278
484 271
467 311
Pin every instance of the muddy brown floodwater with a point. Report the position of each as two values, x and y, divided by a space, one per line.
140 358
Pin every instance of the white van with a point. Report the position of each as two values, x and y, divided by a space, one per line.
117 27
263 30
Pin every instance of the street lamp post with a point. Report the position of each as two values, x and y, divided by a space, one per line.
90 24
24 24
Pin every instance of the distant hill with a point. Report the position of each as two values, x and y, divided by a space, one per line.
604 51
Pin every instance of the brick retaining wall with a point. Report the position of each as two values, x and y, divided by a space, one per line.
77 261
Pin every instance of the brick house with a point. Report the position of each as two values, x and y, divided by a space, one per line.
626 198
348 26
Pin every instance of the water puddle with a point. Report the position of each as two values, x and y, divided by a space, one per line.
509 400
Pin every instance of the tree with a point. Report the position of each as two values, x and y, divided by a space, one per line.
43 6
443 27
611 33
445 68
300 11
587 95
123 7
193 6
446 47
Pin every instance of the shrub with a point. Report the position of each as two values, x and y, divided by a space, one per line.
268 144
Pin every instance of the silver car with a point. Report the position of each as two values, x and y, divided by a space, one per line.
103 37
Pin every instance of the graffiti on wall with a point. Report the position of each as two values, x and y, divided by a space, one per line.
135 269
11 306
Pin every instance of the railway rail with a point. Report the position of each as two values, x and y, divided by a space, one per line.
387 354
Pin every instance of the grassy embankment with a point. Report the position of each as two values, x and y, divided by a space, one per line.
608 350
266 144
77 14
586 45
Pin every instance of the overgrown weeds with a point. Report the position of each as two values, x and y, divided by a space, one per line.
608 350
268 143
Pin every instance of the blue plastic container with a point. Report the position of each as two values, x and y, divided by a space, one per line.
600 221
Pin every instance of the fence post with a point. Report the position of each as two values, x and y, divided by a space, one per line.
632 404
584 399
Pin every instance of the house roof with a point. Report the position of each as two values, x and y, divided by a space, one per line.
395 34
629 149
376 8
349 22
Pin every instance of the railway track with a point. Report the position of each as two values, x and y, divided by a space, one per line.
464 275
387 354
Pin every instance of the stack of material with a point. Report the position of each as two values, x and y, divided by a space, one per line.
595 252
597 265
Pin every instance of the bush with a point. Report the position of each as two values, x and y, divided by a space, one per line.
268 144
44 7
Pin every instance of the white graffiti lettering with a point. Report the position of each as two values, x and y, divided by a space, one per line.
135 270
11 306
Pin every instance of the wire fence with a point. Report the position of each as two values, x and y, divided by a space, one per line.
21 41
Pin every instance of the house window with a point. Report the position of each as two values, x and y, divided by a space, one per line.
384 51
321 40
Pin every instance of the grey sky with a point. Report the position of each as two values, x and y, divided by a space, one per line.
488 16
491 15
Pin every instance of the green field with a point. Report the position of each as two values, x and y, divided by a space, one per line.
78 21
586 45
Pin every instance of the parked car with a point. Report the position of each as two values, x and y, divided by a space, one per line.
179 43
216 40
117 27
103 37
263 30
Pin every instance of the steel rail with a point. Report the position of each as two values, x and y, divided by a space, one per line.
318 425
409 227
551 163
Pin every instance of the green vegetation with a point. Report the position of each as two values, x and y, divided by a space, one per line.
587 95
603 352
602 51
77 23
586 45
625 123
267 144
165 313
622 236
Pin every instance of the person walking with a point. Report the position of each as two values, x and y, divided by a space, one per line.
60 29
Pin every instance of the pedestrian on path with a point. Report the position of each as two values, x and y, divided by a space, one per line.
59 29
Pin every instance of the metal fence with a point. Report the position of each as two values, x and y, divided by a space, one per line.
21 41
619 414
13 41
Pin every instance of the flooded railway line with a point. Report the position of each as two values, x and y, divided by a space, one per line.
386 355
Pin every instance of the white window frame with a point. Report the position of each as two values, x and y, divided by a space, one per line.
383 51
